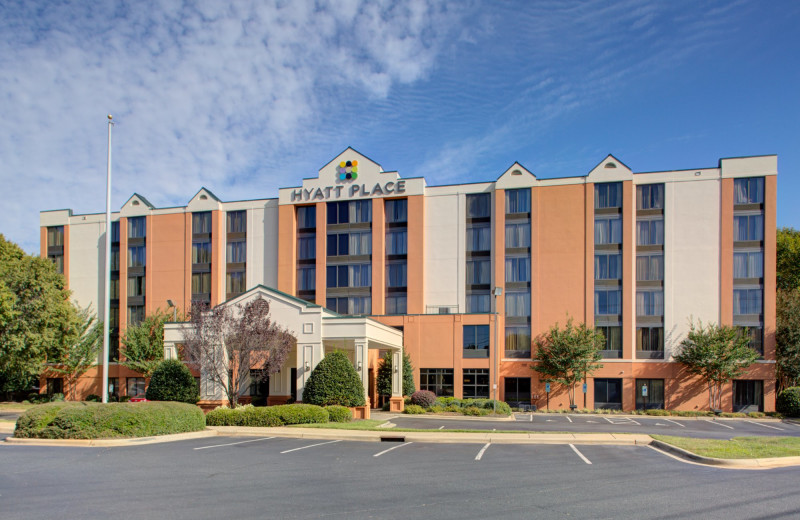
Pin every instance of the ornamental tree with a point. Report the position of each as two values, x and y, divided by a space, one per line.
334 381
80 351
568 355
385 369
172 381
788 259
144 343
716 353
787 338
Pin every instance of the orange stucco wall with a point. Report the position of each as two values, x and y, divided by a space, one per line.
378 257
415 292
166 262
628 271
287 247
770 261
726 253
123 277
322 253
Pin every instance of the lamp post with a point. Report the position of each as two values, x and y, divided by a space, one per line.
498 291
170 304
107 302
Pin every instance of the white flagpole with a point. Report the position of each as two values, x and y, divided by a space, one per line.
107 299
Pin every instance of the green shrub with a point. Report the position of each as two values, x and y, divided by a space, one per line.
338 413
172 381
437 408
788 402
474 410
423 398
386 406
334 381
267 416
756 415
414 409
656 412
447 401
57 397
76 420
452 408
301 413
93 398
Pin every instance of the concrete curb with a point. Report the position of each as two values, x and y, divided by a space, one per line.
389 415
763 463
112 443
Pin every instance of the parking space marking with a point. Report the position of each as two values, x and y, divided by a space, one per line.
394 448
568 418
311 446
233 443
764 425
483 450
441 427
531 418
718 424
676 422
581 455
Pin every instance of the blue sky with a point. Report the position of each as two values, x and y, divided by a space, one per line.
246 97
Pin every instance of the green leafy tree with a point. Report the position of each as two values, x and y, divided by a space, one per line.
144 343
788 259
36 316
384 386
334 381
408 376
716 353
568 355
172 381
83 343
787 338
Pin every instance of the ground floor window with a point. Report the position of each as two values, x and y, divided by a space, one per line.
55 385
476 383
748 396
437 380
135 386
649 394
113 387
518 390
259 383
608 393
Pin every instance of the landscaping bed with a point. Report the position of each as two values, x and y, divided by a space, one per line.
421 403
85 420
738 447
281 415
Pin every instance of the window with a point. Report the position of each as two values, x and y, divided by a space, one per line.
518 269
307 279
137 256
608 230
748 396
137 227
650 303
518 201
115 258
608 393
608 195
135 315
518 342
650 267
613 336
113 318
650 339
306 247
475 383
235 282
115 232
396 210
350 305
113 387
352 212
437 380
201 223
748 227
756 335
55 385
397 243
237 222
479 237
476 341
201 283
608 266
58 261
607 302
396 274
396 304
136 386
479 205
136 286
307 217
114 289
748 264
518 304
650 196
201 251
650 232
479 303
346 244
259 383
655 394
748 191
351 275
518 234
236 252
55 236
518 390
747 300
479 272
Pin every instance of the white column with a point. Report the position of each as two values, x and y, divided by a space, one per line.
397 373
361 360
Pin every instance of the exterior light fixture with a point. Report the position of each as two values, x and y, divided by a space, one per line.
359 365
308 366
174 310
396 369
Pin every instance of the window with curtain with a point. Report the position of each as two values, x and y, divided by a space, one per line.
756 335
201 283
747 301
396 274
607 302
518 269
518 201
115 232
650 339
135 386
748 227
351 275
608 195
237 221
114 289
748 191
613 336
306 247
236 252
397 242
518 342
137 227
479 303
352 212
479 205
650 232
360 243
607 230
201 252
649 267
58 260
748 264
135 315
113 318
396 210
518 234
307 278
518 304
136 286
235 282
201 223
55 236
306 217
649 303
115 258
479 237
479 272
137 256
396 304
608 266
650 196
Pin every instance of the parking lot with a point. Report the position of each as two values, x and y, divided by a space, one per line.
223 477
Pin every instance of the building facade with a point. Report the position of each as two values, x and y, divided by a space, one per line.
469 273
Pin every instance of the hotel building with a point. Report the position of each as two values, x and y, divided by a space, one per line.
462 277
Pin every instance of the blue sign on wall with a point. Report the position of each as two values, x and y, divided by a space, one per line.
584 388
547 387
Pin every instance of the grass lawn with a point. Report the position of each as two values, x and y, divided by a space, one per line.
738 447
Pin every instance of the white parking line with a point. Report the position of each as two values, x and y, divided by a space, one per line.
675 422
764 425
568 418
531 418
393 448
718 424
441 427
234 443
587 461
483 450
607 419
312 445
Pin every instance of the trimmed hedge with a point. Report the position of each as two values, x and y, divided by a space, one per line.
334 381
281 415
75 420
414 409
338 413
172 381
454 404
788 402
